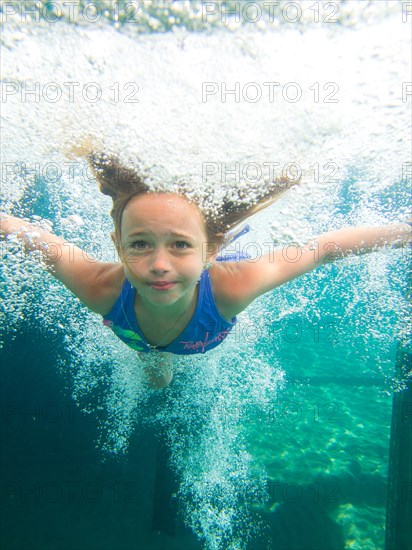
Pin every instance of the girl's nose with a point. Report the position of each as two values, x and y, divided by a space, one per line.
160 261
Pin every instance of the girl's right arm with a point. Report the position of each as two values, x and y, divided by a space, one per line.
243 282
82 275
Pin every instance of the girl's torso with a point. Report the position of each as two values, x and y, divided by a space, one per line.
114 278
115 289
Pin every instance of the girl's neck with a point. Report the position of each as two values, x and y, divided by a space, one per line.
166 314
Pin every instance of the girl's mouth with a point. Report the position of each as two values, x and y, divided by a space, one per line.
162 286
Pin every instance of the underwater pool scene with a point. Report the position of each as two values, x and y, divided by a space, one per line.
294 433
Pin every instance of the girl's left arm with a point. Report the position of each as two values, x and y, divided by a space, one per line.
248 279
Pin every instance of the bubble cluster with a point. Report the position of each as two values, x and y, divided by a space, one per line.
137 17
174 133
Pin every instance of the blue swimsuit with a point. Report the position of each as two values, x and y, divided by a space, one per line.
206 330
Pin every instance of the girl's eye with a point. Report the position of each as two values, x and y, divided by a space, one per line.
182 245
143 245
139 245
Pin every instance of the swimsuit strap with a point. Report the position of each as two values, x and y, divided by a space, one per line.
238 233
231 236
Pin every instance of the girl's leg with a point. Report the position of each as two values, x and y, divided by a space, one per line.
158 368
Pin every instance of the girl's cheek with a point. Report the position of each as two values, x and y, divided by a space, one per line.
133 271
132 262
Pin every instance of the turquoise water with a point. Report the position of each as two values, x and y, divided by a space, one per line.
280 437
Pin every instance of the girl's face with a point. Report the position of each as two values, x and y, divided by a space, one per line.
163 247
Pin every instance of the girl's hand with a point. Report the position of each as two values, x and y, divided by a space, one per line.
9 224
30 235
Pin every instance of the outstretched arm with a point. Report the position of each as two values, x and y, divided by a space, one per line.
360 240
248 280
80 273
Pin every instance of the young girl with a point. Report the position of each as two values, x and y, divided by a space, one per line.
171 293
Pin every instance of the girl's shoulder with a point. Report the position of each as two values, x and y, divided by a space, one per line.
110 286
230 296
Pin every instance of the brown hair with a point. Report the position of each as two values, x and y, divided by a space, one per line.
122 183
